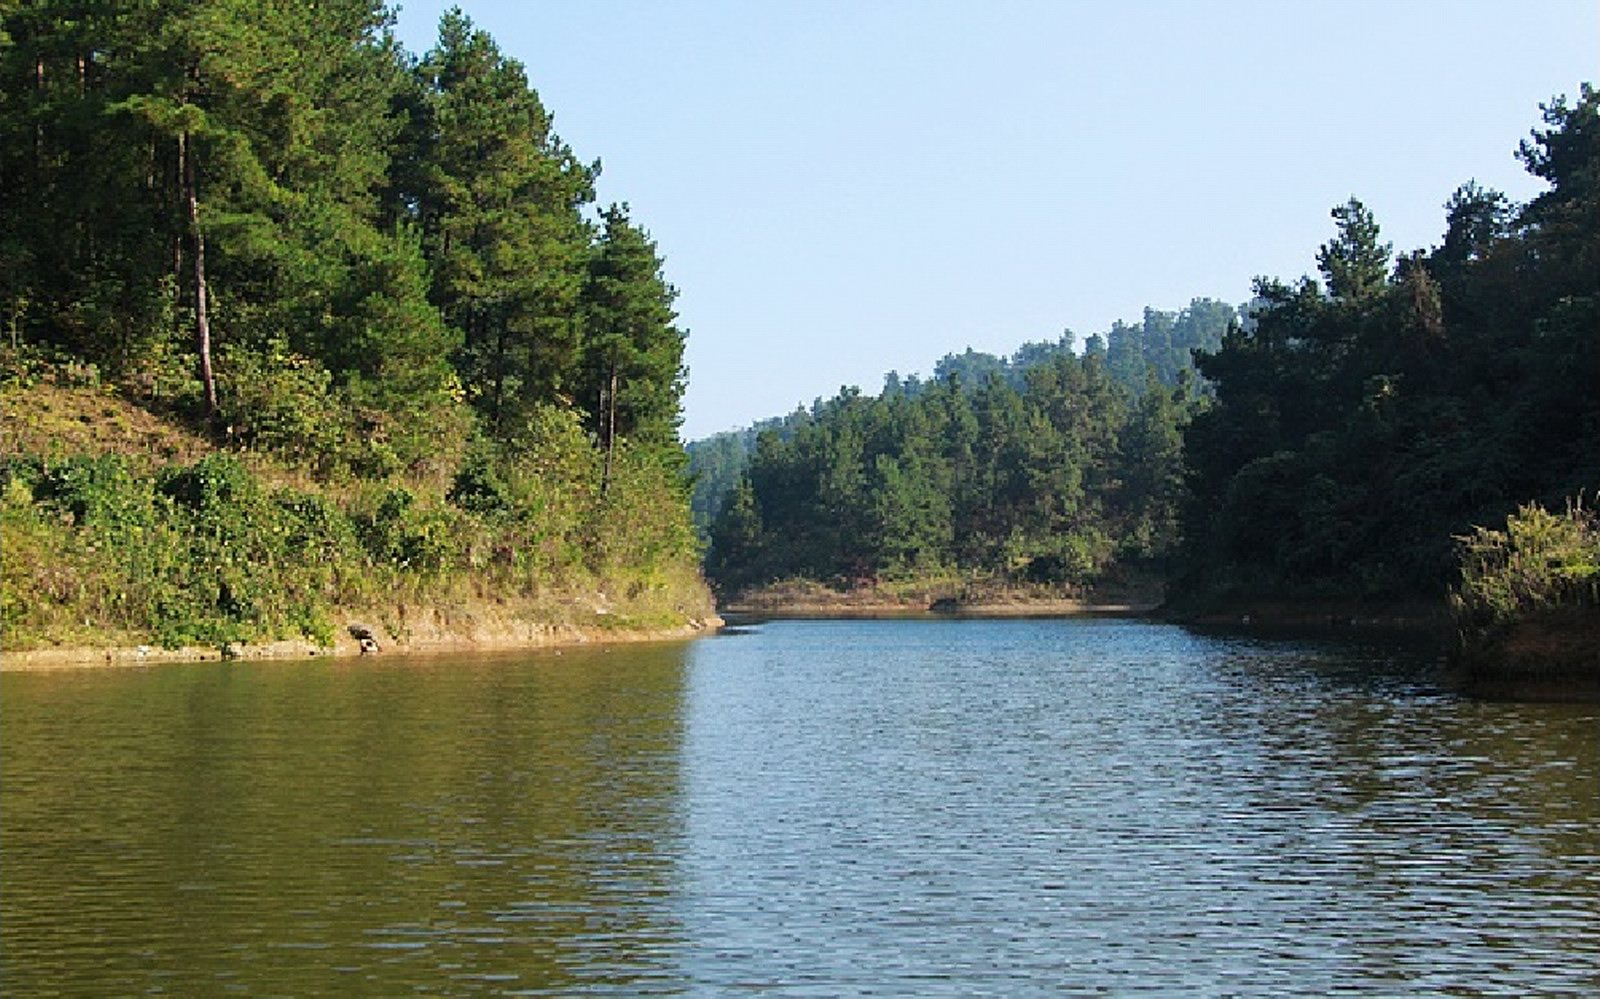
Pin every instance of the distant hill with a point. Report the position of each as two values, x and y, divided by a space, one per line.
1160 346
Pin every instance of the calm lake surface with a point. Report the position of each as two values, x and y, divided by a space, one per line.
818 808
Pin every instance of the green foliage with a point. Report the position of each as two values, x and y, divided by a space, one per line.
398 532
480 488
635 531
1045 484
277 400
195 554
406 301
497 198
1357 429
215 484
1541 561
716 466
1155 353
1354 264
633 354
208 553
91 490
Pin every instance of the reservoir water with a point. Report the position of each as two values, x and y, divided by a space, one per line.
818 808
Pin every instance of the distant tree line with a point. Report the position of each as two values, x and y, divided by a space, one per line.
1045 467
1161 345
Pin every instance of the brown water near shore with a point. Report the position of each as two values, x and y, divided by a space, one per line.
428 632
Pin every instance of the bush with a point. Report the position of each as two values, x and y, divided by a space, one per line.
479 487
1541 561
211 485
284 402
398 534
93 489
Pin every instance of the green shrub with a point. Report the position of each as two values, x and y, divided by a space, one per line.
284 402
214 484
93 489
634 530
399 534
479 487
1541 561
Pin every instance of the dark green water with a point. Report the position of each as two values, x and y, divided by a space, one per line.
949 808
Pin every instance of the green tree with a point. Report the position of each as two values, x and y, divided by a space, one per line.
1354 264
633 353
736 557
910 515
1152 467
498 198
91 215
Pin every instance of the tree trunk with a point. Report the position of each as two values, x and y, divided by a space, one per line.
202 325
610 392
38 123
497 418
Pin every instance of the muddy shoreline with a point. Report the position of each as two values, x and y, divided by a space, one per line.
531 636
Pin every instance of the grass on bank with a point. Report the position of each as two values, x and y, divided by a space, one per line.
122 528
1528 604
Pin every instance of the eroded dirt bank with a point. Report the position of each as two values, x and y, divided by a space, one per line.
421 632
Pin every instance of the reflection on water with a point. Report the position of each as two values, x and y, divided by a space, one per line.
811 808
343 828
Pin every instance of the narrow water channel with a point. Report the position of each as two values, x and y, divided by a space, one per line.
919 807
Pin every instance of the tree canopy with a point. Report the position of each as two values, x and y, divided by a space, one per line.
246 208
1362 424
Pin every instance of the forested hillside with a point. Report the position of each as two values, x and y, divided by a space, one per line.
378 276
1045 468
1339 437
1161 344
1365 421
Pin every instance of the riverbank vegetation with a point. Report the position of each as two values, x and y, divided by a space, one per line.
1528 603
344 326
1331 444
1365 421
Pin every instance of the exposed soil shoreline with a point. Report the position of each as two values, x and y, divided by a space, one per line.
423 640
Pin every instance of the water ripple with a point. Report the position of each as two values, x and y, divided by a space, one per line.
929 808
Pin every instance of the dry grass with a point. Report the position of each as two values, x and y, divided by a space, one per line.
56 421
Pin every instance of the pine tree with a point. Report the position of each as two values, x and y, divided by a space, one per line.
633 353
498 198
1354 264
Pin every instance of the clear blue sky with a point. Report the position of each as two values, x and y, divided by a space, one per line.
845 187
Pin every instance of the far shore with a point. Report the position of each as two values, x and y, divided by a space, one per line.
891 609
800 598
